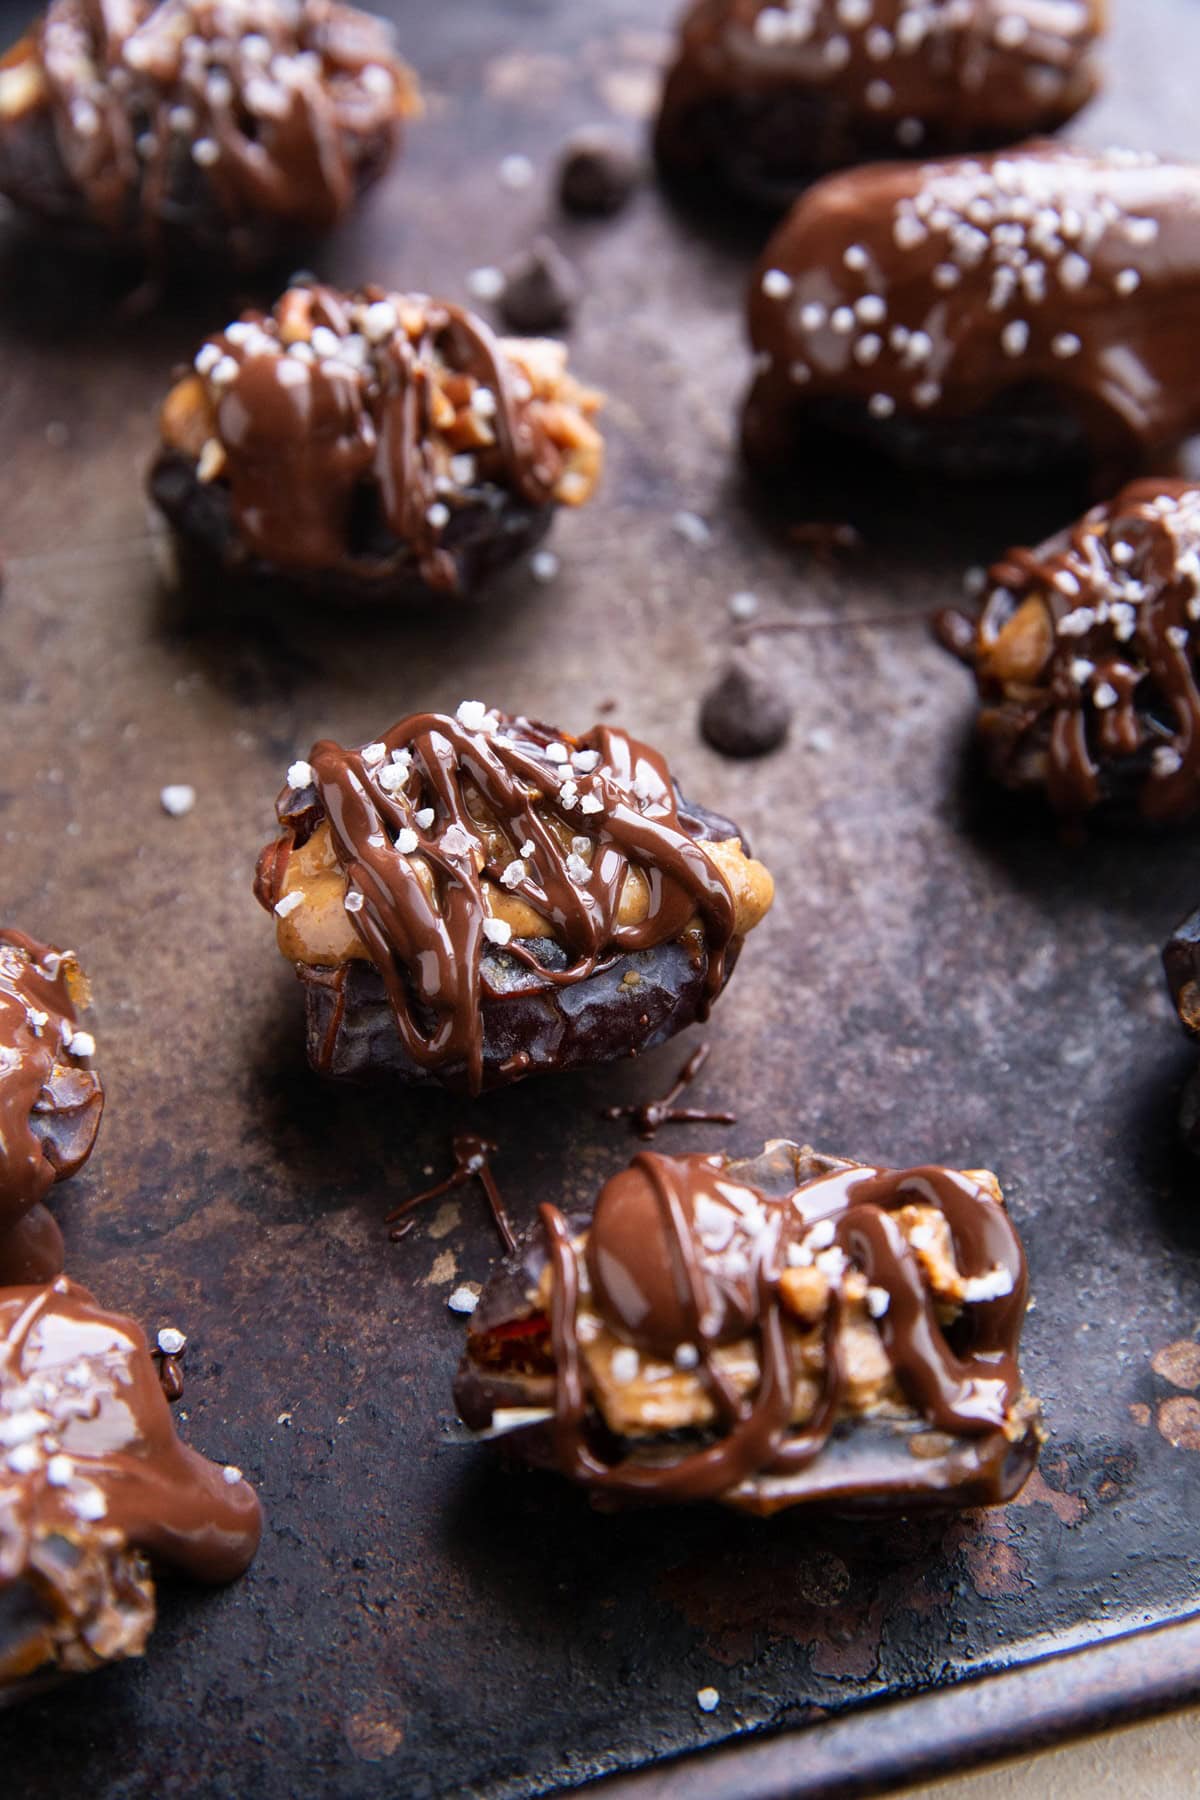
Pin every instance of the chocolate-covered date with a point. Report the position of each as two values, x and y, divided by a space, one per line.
1085 658
473 898
1019 312
765 94
194 132
795 1329
370 447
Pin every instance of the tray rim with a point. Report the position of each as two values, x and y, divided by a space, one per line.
992 1717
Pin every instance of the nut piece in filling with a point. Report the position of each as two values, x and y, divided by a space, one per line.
95 1488
797 1329
50 1098
476 897
370 446
766 93
1024 312
1085 657
200 130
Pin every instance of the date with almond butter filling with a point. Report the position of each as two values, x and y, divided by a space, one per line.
373 443
1085 658
95 1488
795 1329
50 1098
475 897
200 130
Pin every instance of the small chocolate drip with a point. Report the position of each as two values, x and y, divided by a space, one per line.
649 1115
471 1164
170 1375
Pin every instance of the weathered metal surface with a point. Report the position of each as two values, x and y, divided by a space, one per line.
937 980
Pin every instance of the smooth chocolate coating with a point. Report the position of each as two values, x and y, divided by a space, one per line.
686 1254
610 792
331 426
92 1480
1085 656
763 96
235 125
50 1099
1041 300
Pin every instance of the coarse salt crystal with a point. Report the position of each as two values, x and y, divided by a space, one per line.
353 901
300 774
624 1365
707 1699
374 754
289 903
177 799
171 1341
497 931
464 1299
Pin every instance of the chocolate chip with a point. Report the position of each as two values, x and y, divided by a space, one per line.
598 171
744 713
541 289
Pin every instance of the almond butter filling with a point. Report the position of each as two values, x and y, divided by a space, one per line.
319 932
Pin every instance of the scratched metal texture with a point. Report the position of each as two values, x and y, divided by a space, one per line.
939 979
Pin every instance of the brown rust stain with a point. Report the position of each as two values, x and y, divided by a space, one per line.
374 1740
1179 1422
1178 1363
1069 1508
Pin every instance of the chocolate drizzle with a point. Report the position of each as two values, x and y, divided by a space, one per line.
1085 656
769 91
343 425
252 112
471 1163
685 1256
50 1100
1044 285
89 1449
419 819
648 1116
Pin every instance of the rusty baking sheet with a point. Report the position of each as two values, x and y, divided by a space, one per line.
937 980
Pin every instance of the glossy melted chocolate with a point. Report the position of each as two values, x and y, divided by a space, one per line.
50 1100
868 76
1085 657
410 789
680 1253
936 292
89 1457
312 425
272 110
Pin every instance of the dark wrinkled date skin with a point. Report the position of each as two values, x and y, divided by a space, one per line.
1181 960
485 535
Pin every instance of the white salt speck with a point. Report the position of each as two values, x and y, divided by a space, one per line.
325 342
206 359
171 1341
289 903
577 869
463 1300
497 931
456 842
425 817
995 1285
300 774
438 515
820 740
1104 695
374 754
946 275
855 257
177 799
483 403
224 372
692 528
707 1699
407 841
822 1234
543 565
686 1356
1014 338
743 605
881 406
1166 761
82 1044
1177 635
206 152
471 713
878 1301
880 94
1074 270
379 321
776 285
231 1475
624 1365
1128 281
557 753
353 901
516 172
871 309
813 315
868 349
486 283
529 848
841 320
590 804
515 874
1011 31
1065 344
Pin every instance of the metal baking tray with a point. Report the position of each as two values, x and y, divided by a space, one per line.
940 978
